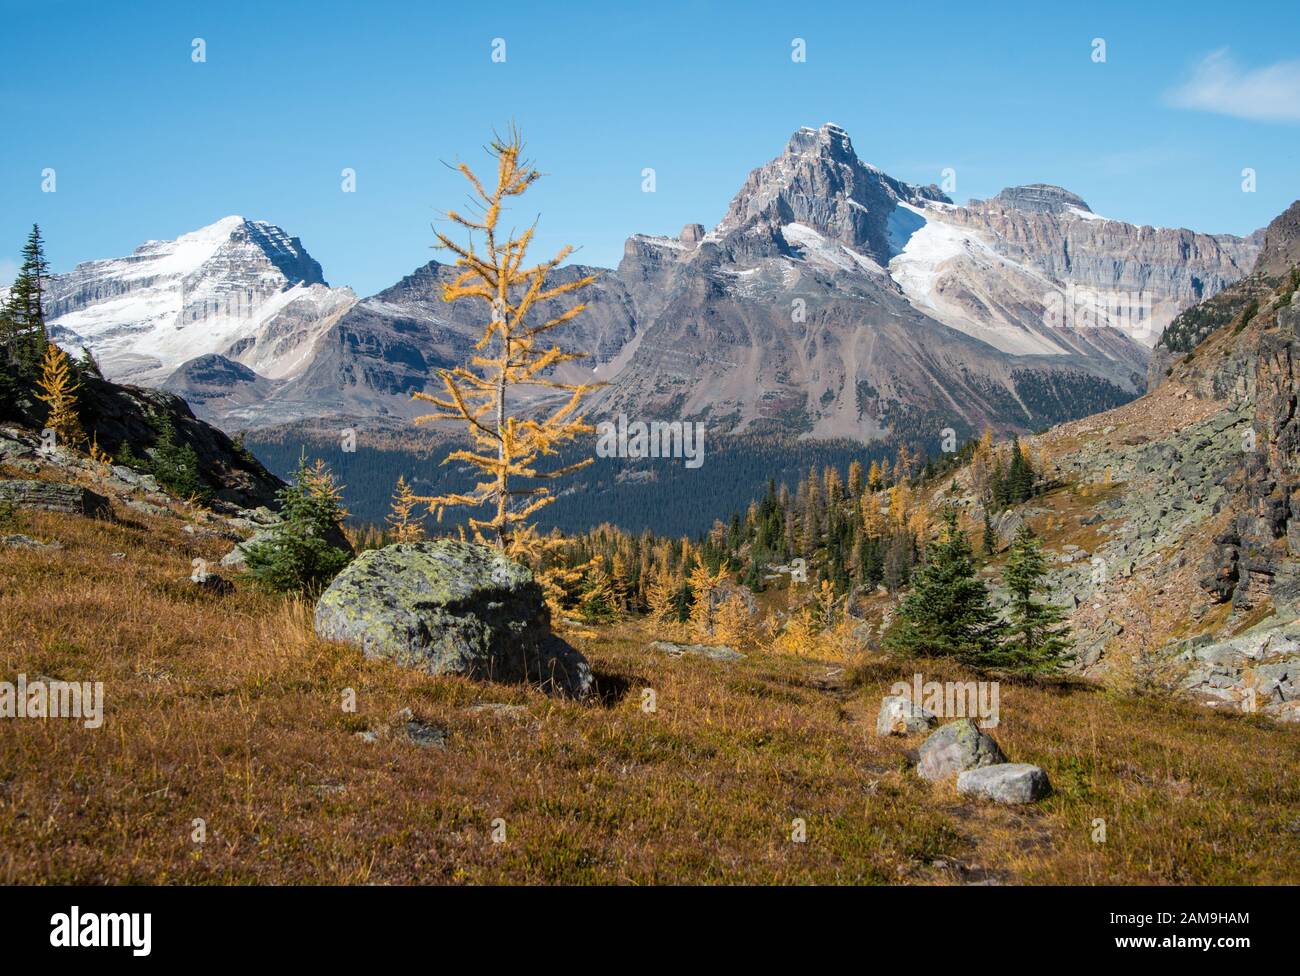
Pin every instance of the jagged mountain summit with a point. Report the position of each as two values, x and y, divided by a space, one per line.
831 300
837 301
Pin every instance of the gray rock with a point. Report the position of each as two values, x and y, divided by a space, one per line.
26 542
145 508
53 496
451 608
715 652
899 716
420 733
954 748
1005 783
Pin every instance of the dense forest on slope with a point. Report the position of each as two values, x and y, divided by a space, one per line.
662 495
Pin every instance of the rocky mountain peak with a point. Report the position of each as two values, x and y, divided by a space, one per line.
819 182
828 139
1041 198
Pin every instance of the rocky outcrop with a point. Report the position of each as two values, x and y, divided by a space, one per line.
1280 249
1256 672
50 496
450 608
116 415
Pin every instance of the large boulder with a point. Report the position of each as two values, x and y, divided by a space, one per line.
451 608
899 716
1005 783
955 748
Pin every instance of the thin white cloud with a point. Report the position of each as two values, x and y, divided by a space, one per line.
8 272
1219 84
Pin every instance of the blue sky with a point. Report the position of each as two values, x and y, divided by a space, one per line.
146 143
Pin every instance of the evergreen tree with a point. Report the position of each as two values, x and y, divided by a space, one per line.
1020 476
990 537
947 613
899 557
23 334
1036 641
297 557
175 465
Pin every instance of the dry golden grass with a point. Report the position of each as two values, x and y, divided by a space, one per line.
229 710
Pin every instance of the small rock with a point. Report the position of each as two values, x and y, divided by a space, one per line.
1005 783
716 652
26 542
954 748
420 733
145 508
899 716
212 583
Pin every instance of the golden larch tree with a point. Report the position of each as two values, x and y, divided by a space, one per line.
509 355
402 520
704 584
59 392
661 601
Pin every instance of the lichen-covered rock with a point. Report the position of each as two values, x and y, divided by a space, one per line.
899 716
1005 783
451 608
955 748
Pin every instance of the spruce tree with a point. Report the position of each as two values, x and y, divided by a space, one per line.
24 334
946 613
297 556
990 537
1020 476
1036 641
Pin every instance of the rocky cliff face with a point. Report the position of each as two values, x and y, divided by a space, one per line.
1062 263
1177 536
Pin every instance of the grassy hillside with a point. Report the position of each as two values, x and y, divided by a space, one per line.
229 710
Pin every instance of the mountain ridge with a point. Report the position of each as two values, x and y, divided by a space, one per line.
894 279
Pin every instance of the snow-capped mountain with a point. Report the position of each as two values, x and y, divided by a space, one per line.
831 299
240 288
839 301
